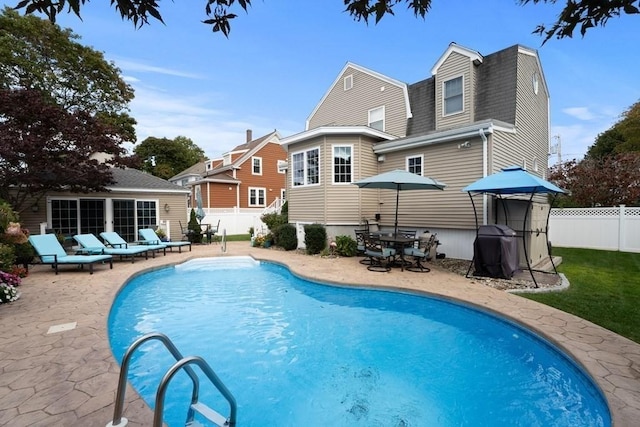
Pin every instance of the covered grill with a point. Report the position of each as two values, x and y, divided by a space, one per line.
495 251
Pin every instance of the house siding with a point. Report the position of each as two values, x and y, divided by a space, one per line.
531 141
496 86
330 203
450 208
351 107
454 66
270 180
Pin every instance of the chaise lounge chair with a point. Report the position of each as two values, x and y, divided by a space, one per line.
92 245
114 240
50 251
149 237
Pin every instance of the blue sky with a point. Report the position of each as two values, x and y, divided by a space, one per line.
283 55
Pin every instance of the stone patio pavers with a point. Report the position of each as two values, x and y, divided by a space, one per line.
69 378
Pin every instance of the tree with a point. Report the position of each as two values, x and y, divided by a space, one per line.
44 147
622 137
165 157
585 14
36 54
609 181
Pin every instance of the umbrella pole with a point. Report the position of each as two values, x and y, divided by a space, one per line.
395 231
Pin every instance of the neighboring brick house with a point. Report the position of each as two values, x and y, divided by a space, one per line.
249 176
474 116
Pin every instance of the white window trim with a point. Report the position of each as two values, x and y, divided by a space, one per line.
444 99
305 178
257 189
253 159
333 170
421 157
283 193
384 115
535 164
281 166
348 82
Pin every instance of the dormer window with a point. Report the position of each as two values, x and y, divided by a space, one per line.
209 165
452 94
226 159
376 118
348 82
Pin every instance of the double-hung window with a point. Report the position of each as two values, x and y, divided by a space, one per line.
376 118
256 165
257 196
306 167
342 164
414 164
453 96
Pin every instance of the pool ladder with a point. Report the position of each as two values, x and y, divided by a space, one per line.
181 363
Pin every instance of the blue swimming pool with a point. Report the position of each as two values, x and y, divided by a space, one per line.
299 353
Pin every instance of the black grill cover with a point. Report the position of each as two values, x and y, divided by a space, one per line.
495 251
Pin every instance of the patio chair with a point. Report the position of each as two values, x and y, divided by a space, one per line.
185 231
114 240
423 253
50 251
211 232
149 237
92 245
379 256
360 245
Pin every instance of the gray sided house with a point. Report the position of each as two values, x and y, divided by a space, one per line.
472 117
137 200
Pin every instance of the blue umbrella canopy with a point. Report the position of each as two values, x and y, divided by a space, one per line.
400 180
512 180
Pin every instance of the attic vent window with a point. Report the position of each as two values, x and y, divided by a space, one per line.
348 82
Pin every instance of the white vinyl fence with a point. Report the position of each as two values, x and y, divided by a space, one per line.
610 228
235 220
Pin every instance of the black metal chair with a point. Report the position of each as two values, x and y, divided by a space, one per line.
421 254
378 256
360 245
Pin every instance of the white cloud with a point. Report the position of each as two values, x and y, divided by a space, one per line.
130 65
167 115
581 113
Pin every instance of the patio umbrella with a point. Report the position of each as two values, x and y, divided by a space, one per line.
400 180
199 211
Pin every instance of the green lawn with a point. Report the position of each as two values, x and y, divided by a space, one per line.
605 289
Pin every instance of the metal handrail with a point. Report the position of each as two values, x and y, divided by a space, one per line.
183 363
124 370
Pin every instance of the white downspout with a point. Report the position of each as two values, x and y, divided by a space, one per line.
485 154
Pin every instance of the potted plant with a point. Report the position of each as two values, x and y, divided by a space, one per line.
268 240
162 234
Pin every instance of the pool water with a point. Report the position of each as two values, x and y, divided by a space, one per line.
299 353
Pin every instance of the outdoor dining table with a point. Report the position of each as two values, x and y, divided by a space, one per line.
399 243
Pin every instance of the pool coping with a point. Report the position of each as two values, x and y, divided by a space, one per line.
70 377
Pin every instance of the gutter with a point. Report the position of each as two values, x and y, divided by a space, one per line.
485 170
440 137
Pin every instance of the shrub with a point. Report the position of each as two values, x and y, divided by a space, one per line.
346 246
273 220
7 257
286 237
315 238
195 230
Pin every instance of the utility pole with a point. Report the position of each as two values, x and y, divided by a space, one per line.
557 149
